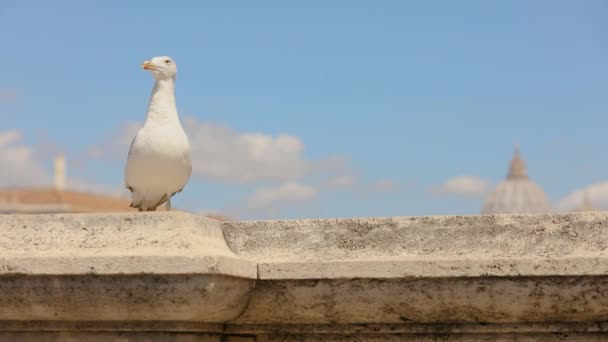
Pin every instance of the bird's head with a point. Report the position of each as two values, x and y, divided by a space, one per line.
161 67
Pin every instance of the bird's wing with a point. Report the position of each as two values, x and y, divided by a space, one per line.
132 142
129 187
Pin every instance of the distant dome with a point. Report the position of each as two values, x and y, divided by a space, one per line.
586 205
517 194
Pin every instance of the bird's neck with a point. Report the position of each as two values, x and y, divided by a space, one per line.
162 102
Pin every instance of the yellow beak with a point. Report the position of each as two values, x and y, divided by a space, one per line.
149 66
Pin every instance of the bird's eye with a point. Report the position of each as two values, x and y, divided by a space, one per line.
168 61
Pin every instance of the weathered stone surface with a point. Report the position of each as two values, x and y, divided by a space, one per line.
566 337
402 247
147 276
419 328
481 300
115 325
442 238
157 242
96 336
205 298
494 268
154 266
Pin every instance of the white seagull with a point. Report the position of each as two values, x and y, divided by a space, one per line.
159 163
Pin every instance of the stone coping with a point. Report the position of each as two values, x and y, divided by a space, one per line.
406 267
126 243
498 269
427 238
415 247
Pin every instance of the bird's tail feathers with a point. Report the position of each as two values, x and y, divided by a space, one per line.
143 203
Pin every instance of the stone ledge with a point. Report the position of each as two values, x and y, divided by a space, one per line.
104 336
84 325
123 234
135 264
254 329
175 272
158 266
415 267
415 328
198 297
472 237
464 269
431 300
157 243
431 337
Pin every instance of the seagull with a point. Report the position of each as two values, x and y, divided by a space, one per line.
159 163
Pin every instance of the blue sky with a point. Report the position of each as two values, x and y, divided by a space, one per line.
399 96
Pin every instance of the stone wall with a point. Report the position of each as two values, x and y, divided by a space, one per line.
180 277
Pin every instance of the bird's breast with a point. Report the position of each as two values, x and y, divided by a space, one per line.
162 141
159 158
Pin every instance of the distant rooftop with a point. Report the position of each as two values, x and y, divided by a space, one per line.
52 200
46 200
57 199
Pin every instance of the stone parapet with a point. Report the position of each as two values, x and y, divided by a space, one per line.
180 277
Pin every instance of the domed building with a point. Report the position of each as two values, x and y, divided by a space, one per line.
586 205
517 194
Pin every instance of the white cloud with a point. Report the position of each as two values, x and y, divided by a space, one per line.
272 198
466 186
597 194
18 162
9 137
220 153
